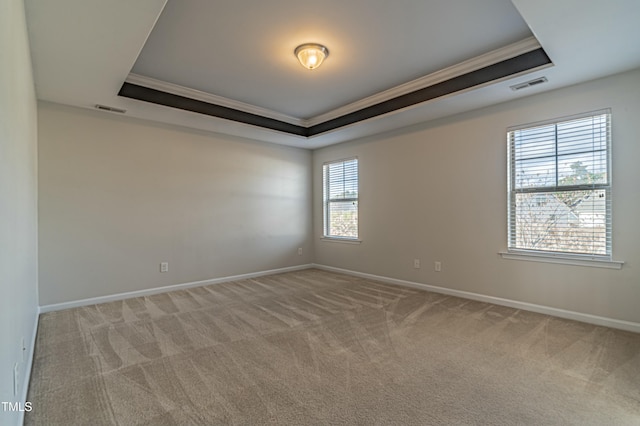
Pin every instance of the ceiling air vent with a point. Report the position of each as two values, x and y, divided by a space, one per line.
529 83
110 109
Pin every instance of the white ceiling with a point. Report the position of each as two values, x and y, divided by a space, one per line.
243 50
241 53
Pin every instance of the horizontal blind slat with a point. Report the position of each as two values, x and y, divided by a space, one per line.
340 195
542 160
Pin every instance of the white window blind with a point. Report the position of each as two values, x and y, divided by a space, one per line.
560 186
340 199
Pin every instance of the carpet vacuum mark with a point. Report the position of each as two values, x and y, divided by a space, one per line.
316 347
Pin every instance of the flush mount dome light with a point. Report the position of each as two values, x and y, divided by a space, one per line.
311 55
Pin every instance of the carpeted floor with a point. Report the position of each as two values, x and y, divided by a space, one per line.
314 347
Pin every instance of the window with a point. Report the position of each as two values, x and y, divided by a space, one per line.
340 199
560 186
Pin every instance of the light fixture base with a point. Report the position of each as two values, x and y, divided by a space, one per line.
311 55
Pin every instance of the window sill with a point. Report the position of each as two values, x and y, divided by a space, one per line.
341 240
562 259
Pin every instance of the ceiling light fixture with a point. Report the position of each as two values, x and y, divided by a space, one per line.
311 55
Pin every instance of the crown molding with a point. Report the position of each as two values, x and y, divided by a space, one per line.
489 58
409 107
479 62
490 74
175 89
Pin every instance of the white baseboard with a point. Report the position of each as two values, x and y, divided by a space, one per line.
165 289
577 316
561 313
27 368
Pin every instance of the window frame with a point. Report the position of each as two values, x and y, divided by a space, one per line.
586 259
326 203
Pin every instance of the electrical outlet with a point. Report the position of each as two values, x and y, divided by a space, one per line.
164 267
437 265
416 263
299 251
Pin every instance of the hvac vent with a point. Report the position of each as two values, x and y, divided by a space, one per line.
110 109
529 83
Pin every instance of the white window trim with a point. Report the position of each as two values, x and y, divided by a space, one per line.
343 240
562 258
334 238
604 261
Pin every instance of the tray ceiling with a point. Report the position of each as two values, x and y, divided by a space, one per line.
239 56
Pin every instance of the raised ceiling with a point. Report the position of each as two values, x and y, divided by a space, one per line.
239 56
243 50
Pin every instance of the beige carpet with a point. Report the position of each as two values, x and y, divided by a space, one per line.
314 347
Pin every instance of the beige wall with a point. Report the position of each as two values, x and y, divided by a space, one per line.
18 203
118 196
437 191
